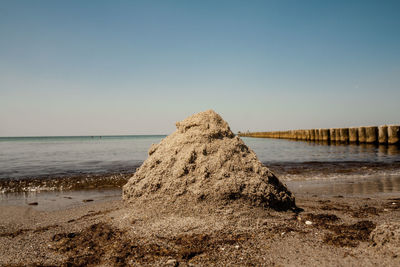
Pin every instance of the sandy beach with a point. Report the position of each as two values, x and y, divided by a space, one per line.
202 198
329 231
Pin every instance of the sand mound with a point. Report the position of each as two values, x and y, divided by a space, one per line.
204 160
386 237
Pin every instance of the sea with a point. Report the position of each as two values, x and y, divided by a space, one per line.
348 169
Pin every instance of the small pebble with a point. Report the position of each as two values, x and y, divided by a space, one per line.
308 222
237 246
229 211
172 262
33 204
71 235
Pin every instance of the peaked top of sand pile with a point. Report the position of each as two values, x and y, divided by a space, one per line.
204 160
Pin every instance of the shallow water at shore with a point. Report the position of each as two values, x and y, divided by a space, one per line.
349 187
341 188
58 200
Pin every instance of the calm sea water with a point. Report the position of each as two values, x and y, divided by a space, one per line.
65 155
22 157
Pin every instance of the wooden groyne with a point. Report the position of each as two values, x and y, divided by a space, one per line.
385 134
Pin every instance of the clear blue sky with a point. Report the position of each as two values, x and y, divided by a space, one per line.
136 67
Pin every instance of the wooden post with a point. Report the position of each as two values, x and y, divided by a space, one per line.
337 134
344 135
393 134
353 135
371 134
317 135
312 134
302 135
308 135
332 135
361 134
383 134
297 134
325 134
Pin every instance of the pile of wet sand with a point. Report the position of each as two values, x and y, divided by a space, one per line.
204 161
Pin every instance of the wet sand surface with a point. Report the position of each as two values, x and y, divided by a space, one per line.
58 200
379 186
332 228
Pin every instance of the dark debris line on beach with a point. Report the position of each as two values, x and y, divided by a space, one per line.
78 182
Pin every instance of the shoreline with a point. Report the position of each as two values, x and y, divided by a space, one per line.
287 171
79 195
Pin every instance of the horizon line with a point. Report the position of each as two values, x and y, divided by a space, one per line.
106 135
